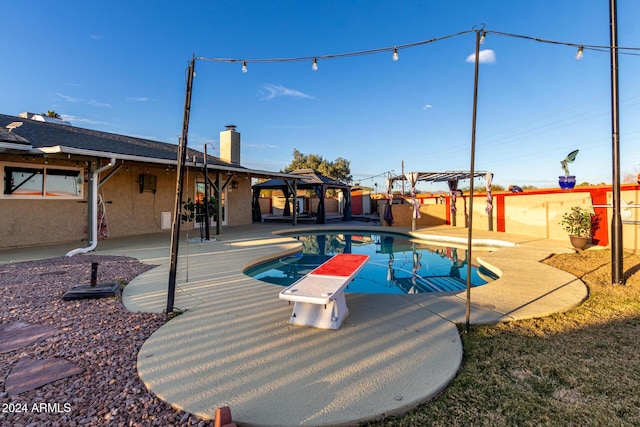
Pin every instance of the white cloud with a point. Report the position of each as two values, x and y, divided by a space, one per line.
487 56
139 99
95 36
427 106
272 91
98 104
76 119
68 98
89 102
262 146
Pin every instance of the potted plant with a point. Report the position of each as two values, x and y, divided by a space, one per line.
566 181
577 222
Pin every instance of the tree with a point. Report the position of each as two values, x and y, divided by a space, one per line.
51 113
339 169
482 188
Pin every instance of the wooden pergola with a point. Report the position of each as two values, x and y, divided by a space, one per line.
450 177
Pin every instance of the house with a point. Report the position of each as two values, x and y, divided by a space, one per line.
60 181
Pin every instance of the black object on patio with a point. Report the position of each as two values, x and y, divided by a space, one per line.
93 289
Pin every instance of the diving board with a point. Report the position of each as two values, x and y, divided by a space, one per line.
318 298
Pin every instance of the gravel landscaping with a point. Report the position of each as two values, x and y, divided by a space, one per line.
99 335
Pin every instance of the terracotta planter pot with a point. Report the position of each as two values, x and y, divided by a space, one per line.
579 242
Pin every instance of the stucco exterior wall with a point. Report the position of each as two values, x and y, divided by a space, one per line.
534 213
430 214
35 221
539 215
330 204
239 202
275 205
130 212
27 222
528 214
127 211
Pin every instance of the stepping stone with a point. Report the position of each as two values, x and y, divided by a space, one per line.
29 374
16 335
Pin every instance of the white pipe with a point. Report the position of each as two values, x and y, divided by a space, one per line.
94 203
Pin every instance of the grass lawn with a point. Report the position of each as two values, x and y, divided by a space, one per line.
580 368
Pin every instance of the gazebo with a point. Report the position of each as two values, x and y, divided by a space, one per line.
311 180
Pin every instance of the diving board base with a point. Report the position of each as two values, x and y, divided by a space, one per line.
323 316
318 297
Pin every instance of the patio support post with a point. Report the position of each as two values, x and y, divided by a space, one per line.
617 276
182 157
295 202
91 215
472 173
207 221
219 204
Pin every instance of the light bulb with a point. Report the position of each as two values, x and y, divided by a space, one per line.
314 66
244 66
580 53
395 54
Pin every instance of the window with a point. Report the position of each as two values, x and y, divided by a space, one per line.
41 181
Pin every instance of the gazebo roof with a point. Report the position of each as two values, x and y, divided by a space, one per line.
311 178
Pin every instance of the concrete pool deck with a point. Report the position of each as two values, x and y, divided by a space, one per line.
234 346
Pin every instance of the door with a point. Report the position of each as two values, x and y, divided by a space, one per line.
200 211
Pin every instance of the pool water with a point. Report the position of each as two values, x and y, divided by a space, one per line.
396 265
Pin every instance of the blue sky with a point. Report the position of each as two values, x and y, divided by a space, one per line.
119 66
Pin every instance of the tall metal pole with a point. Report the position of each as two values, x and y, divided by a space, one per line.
402 181
207 222
182 158
617 276
472 172
219 204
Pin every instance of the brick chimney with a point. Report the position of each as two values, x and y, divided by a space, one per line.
230 145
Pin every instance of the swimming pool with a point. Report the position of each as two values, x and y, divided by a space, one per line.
397 265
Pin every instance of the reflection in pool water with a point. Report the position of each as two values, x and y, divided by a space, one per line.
397 265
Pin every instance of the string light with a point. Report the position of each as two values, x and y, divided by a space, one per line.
394 49
623 50
333 56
